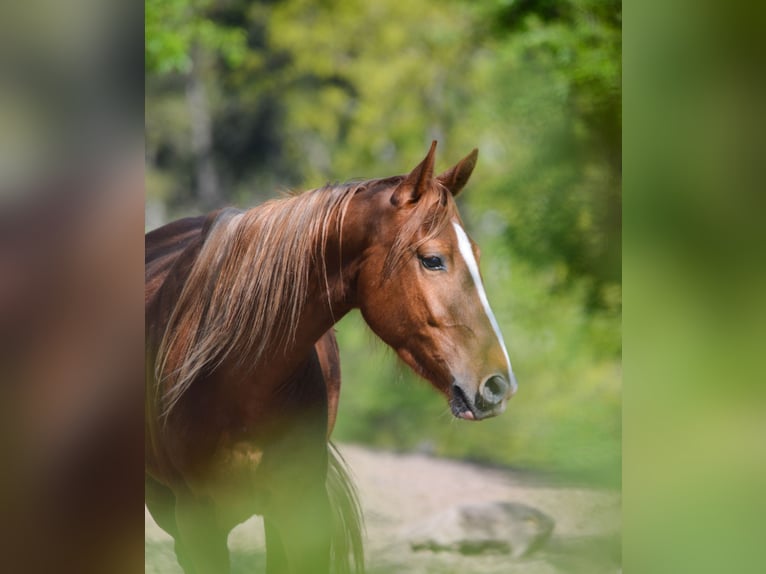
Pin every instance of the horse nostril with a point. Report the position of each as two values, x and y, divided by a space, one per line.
493 390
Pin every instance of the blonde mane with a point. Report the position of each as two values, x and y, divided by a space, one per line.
245 291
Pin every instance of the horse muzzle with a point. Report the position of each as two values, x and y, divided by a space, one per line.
489 401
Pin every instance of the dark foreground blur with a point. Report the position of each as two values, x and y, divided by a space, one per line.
71 325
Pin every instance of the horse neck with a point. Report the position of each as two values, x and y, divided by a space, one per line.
345 250
332 292
336 261
335 257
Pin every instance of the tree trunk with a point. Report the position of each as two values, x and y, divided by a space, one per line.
208 189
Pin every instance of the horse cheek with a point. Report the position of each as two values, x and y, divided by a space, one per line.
382 311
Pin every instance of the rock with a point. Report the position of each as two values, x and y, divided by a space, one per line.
487 528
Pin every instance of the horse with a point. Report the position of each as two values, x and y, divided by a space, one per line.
243 370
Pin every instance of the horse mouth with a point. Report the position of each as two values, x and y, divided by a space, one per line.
463 407
460 405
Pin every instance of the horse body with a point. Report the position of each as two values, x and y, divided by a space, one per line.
225 452
243 374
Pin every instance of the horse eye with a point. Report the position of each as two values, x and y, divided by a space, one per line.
432 262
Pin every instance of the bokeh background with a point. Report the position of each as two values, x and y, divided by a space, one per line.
246 99
71 94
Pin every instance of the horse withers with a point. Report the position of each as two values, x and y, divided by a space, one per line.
243 373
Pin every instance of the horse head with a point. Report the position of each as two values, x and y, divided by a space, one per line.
420 290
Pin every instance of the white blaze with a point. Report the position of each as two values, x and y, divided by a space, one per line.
464 245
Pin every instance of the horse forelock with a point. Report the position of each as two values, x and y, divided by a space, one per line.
429 216
247 287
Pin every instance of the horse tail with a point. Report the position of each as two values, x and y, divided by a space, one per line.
347 554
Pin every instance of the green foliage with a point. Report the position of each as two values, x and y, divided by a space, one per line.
174 27
536 85
555 71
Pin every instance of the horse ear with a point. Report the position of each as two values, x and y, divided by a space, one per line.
457 176
417 181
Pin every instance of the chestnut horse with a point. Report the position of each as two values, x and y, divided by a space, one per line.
243 370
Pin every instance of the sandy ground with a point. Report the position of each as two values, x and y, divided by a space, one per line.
401 490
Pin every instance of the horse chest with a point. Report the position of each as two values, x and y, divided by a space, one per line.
235 482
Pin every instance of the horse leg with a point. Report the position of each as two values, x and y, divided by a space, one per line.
298 529
297 514
161 503
276 561
203 542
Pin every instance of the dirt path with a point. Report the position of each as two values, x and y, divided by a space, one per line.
399 491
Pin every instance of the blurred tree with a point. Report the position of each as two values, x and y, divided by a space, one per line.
182 36
534 83
557 72
174 27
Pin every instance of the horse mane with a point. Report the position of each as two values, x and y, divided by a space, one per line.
246 289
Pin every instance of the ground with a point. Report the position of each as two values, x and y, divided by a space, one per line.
399 491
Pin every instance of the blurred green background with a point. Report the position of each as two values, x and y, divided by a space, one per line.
244 99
